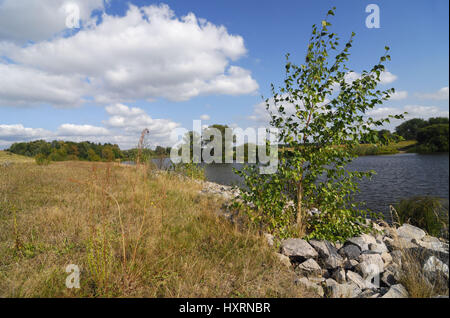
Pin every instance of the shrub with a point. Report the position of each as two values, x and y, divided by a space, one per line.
41 160
426 212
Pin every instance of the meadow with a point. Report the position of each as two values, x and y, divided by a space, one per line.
132 232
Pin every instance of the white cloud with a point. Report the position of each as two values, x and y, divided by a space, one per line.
123 128
205 117
22 86
414 111
37 20
19 132
149 53
82 130
441 94
399 95
387 77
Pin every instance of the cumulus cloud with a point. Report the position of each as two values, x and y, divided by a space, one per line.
41 19
399 95
205 117
149 53
441 94
123 127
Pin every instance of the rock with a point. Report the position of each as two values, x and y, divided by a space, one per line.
368 293
329 257
269 239
362 241
284 259
356 279
370 265
396 291
431 239
395 270
339 275
305 282
427 249
298 249
399 243
335 290
379 248
309 268
387 258
350 251
396 257
434 267
410 232
388 279
350 264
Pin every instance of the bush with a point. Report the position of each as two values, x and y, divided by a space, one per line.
41 160
425 212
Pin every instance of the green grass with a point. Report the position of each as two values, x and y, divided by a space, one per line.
393 148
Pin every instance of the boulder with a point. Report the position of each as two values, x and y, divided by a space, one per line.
388 279
298 249
339 275
356 279
410 232
396 291
379 248
387 258
350 251
350 264
284 259
307 284
434 268
370 265
309 268
336 290
399 243
362 241
368 293
329 257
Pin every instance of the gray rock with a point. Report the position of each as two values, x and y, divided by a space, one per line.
356 279
284 259
269 239
387 258
309 268
350 264
399 243
396 257
379 248
308 284
368 293
329 257
298 248
339 275
434 268
370 265
388 278
362 241
335 290
431 239
396 291
410 232
350 251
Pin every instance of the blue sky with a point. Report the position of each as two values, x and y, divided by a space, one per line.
104 82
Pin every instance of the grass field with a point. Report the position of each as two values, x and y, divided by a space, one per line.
131 232
6 156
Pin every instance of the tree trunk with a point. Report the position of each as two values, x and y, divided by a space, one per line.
300 219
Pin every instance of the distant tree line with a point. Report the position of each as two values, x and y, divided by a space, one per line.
87 151
431 135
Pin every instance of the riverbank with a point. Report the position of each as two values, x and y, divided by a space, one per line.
392 262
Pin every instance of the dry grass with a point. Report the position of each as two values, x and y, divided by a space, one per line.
412 275
6 156
132 233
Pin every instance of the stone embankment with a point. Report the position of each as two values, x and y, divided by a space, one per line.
368 266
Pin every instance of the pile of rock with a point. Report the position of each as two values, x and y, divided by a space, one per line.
366 266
